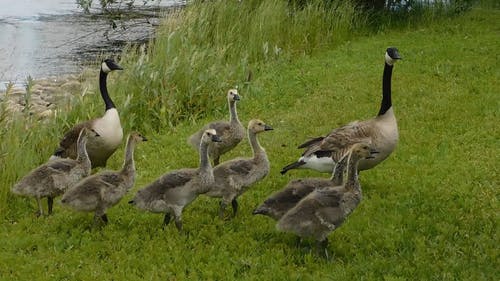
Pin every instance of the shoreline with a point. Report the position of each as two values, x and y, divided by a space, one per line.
42 97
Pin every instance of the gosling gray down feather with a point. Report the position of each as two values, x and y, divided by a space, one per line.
108 127
322 153
233 177
105 189
54 177
231 132
173 191
324 210
276 205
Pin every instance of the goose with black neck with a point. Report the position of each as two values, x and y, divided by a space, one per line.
108 126
322 153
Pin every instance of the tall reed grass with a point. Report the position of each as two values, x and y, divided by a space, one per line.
206 48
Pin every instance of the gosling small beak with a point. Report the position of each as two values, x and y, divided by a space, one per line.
236 97
131 202
268 128
144 138
216 138
372 153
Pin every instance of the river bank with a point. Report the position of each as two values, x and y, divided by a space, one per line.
52 38
42 98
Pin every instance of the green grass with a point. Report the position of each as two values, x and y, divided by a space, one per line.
430 211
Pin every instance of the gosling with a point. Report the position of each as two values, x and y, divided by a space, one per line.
105 189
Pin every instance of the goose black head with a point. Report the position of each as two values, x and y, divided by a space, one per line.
391 55
109 65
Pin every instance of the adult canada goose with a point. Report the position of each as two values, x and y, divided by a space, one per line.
325 209
108 127
231 132
54 177
322 153
233 177
173 191
276 205
105 189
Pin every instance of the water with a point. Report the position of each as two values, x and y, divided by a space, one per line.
46 38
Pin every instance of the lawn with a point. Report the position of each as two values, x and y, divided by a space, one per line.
429 212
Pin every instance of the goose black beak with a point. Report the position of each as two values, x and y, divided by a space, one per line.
144 138
396 55
268 128
236 97
216 138
113 65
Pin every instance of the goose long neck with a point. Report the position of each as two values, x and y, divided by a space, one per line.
233 113
129 165
352 182
258 151
103 87
206 171
386 90
338 172
83 156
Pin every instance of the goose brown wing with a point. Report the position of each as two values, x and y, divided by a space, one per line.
338 142
239 166
67 145
61 165
175 178
328 209
220 127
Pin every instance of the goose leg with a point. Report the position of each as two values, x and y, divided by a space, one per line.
222 209
50 203
40 208
178 219
178 224
166 219
298 242
234 204
104 218
321 248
